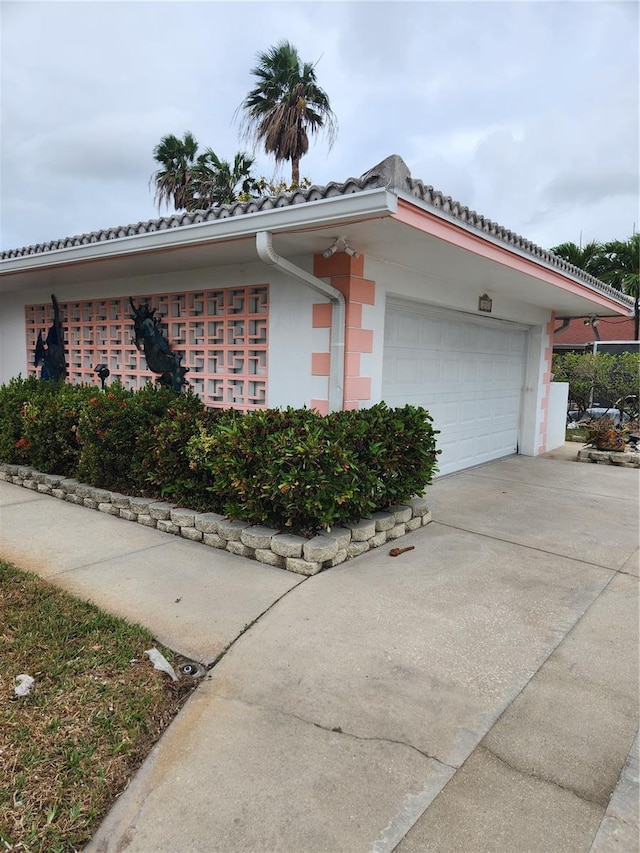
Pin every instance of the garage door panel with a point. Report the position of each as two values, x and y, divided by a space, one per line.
468 376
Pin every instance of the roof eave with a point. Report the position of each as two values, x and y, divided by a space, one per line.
363 205
564 270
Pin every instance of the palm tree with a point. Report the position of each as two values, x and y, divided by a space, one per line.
218 181
195 181
173 180
589 258
285 106
623 257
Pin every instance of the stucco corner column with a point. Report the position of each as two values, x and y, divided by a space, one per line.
346 274
536 394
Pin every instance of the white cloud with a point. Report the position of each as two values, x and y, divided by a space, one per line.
526 111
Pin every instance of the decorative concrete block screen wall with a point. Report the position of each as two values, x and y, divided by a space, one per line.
222 333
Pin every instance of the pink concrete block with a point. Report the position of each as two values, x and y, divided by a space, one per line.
357 388
354 315
321 315
320 363
359 340
339 264
221 333
352 364
321 406
355 289
362 290
351 406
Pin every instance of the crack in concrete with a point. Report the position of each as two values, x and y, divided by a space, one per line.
481 744
617 818
338 730
540 778
628 574
335 729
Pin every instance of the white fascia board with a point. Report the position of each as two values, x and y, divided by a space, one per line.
616 296
356 206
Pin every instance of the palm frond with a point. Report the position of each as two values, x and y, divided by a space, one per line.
285 106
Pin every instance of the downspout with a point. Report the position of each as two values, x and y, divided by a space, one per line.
267 254
565 324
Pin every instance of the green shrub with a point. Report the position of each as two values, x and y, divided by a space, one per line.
600 378
50 423
14 447
109 432
396 448
298 470
291 469
134 441
163 451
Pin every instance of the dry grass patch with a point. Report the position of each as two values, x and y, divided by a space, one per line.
69 747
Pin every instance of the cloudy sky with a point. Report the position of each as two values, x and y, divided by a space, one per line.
525 111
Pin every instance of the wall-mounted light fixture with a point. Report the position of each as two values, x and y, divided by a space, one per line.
485 303
594 322
340 244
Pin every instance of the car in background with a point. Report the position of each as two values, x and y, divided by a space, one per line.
594 413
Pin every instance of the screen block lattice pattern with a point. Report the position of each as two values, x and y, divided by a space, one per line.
222 334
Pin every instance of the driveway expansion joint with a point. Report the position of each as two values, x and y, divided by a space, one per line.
37 496
528 547
564 489
113 557
250 625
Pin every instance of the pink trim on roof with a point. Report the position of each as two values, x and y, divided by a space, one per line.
427 222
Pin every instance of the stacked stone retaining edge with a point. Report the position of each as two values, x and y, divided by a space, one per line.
623 459
282 550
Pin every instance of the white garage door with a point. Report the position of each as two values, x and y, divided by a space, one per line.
467 373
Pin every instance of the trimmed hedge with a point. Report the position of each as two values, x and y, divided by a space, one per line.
289 469
298 470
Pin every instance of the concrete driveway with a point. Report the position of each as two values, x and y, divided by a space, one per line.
479 693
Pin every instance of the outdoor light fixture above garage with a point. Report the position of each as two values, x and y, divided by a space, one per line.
485 303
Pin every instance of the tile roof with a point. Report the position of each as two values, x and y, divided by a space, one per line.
392 174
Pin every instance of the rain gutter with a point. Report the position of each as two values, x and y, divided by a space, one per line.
168 233
267 254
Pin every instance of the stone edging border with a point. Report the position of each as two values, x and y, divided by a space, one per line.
267 545
623 459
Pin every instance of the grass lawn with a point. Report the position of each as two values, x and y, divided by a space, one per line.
69 747
579 434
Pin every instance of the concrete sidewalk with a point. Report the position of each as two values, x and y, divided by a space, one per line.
479 693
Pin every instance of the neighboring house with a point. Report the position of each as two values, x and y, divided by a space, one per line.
379 288
580 334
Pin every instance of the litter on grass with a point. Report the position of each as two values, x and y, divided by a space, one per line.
24 684
160 662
